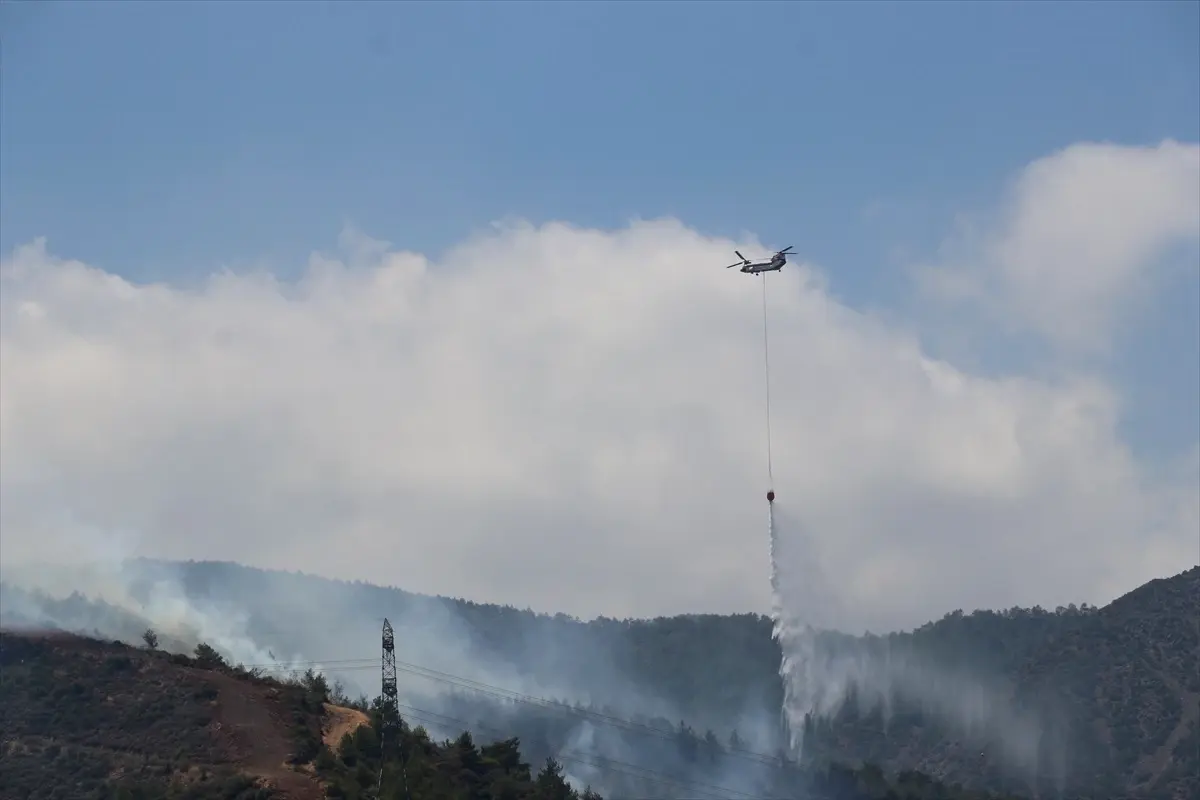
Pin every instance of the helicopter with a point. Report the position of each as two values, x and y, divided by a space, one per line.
776 263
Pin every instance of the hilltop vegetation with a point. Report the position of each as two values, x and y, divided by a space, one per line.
83 718
91 719
1114 691
1127 680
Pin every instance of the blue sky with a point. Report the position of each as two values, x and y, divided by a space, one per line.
164 141
161 140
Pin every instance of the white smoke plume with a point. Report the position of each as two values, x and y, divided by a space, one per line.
820 674
145 595
800 604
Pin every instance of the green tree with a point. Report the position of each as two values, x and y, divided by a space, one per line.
316 684
712 747
208 657
550 783
506 753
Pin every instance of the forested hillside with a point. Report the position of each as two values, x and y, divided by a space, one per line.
82 718
91 719
1114 690
1128 682
1074 702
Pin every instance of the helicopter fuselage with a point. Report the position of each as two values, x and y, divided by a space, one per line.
765 266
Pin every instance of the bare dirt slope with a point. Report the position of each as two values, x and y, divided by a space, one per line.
259 739
85 718
340 721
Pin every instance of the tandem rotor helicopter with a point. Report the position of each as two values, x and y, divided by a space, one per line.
776 263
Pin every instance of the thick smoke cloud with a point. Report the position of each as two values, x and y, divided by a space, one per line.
571 419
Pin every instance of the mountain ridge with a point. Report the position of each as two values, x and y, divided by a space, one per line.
161 725
1091 672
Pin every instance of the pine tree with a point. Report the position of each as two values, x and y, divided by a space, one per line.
550 783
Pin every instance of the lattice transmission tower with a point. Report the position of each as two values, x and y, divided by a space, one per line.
389 736
390 710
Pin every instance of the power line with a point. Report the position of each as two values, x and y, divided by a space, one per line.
557 705
611 764
509 694
591 715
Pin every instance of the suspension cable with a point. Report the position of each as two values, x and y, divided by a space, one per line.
767 364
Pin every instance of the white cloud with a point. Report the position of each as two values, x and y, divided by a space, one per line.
1081 241
570 419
